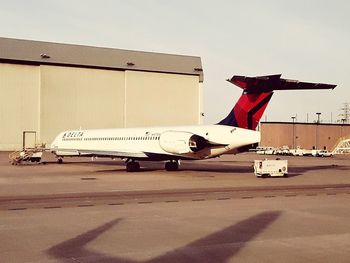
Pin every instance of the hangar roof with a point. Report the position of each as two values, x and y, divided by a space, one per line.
48 53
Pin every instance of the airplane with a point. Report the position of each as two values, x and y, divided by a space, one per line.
234 134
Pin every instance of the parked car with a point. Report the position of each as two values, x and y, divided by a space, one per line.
285 150
297 152
270 150
266 150
324 153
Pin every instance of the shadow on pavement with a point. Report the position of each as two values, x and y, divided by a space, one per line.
217 247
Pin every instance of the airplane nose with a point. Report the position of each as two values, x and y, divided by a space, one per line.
55 142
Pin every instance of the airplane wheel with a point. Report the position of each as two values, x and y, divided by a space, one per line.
132 167
59 160
171 166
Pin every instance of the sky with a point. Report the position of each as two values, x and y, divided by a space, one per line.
303 40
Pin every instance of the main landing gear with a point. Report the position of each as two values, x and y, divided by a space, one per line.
172 166
132 166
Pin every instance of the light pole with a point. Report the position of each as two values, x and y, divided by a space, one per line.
318 122
341 128
293 119
318 116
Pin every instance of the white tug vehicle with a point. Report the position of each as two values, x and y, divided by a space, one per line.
271 168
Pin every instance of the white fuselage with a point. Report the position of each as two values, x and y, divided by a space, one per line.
154 142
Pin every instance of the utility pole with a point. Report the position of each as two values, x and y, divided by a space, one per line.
345 115
293 118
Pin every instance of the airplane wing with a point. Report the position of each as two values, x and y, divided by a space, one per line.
98 153
119 154
274 82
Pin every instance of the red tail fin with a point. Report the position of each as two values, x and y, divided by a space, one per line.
256 95
248 110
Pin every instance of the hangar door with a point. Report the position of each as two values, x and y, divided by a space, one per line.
161 99
19 103
79 98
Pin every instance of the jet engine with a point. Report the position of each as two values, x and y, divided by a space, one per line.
181 142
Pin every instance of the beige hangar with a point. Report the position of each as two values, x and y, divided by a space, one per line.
50 87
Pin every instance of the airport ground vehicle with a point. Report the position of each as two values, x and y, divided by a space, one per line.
26 156
284 150
307 152
297 152
271 168
324 153
270 151
315 152
266 150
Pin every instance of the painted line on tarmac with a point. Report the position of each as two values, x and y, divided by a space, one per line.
239 196
223 198
52 207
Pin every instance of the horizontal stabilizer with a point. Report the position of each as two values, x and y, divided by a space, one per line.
274 82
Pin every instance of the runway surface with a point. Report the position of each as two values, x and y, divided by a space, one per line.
281 229
209 211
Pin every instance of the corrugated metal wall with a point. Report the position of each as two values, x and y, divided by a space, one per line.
162 99
74 98
306 136
50 99
19 103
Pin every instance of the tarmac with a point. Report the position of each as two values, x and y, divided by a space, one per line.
208 211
